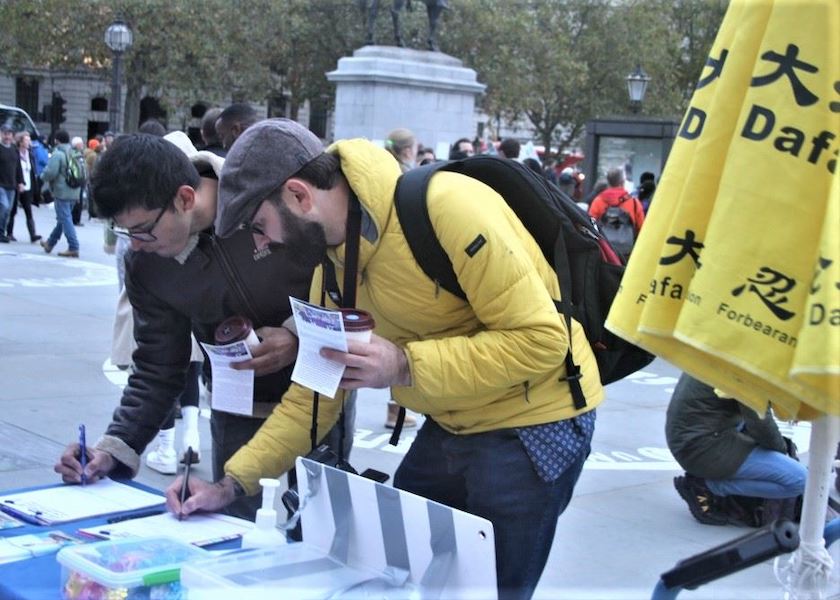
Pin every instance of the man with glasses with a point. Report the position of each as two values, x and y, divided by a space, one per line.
180 279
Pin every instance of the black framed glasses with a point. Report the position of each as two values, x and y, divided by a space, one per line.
255 229
144 235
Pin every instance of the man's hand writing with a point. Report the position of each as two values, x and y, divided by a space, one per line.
99 464
376 364
209 497
277 349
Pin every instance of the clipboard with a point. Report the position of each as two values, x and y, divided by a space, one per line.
62 504
200 529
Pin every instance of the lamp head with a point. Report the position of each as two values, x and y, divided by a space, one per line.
119 36
637 83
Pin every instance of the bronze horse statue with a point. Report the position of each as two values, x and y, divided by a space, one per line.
433 8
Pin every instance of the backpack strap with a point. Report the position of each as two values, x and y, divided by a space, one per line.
413 213
62 169
564 307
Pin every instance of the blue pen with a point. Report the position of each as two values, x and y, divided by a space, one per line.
83 452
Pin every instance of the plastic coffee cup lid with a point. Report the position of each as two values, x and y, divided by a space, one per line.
233 329
357 320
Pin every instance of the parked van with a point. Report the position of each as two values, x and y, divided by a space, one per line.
19 120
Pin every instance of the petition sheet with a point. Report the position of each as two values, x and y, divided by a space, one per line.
233 391
317 328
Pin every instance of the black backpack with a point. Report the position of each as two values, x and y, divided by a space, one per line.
588 269
617 226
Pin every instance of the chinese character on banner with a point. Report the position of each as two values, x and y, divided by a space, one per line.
771 287
788 63
687 247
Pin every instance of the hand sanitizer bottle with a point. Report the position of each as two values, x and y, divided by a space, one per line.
265 533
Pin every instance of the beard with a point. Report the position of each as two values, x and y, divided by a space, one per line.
305 241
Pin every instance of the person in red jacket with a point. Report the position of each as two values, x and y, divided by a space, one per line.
616 195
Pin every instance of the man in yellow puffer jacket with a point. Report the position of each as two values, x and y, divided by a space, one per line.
502 438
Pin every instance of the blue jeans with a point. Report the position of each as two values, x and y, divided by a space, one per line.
490 475
7 198
764 474
64 224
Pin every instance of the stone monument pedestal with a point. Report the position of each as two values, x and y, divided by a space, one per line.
381 88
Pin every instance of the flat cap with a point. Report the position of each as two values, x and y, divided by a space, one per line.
260 161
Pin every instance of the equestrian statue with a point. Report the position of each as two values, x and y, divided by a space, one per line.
433 8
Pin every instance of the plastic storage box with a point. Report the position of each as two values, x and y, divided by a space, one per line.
129 569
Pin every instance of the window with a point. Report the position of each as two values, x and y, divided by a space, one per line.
26 94
99 104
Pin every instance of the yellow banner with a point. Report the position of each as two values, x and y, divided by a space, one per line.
735 275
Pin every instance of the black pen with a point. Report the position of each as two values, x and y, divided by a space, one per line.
82 453
185 484
140 515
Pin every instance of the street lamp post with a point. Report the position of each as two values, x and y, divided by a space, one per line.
118 37
637 83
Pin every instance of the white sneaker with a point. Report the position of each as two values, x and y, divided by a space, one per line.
190 440
162 460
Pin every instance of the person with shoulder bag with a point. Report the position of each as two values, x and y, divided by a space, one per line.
66 197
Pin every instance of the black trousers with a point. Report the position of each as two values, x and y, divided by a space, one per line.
25 200
77 212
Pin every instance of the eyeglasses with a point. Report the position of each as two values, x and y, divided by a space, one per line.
145 235
255 229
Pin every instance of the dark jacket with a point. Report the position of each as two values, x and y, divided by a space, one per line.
34 180
702 430
170 300
10 172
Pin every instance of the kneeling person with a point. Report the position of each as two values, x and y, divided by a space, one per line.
727 449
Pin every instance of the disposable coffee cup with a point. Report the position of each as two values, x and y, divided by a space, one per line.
358 324
236 329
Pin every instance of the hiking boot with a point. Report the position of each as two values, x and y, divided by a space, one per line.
391 419
4 239
699 500
46 246
69 254
163 460
35 238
